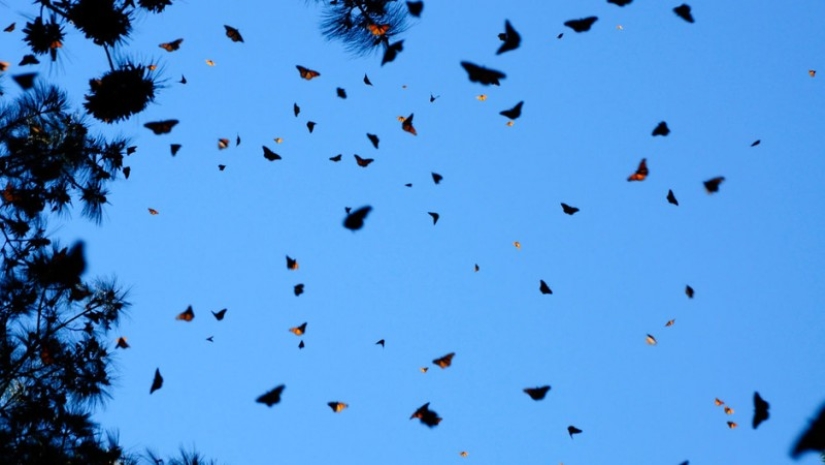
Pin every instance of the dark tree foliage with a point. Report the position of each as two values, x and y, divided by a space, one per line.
363 25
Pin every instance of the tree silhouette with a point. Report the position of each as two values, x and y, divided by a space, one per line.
363 25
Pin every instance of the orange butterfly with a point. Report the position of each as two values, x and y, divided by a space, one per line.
152 211
445 361
223 143
641 172
186 315
378 29
171 46
291 263
407 125
307 73
299 330
161 127
337 406
363 162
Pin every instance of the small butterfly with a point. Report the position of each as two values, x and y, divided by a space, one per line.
641 172
683 11
278 140
415 8
157 382
517 244
233 34
718 402
544 288
29 60
363 162
10 27
476 268
299 330
423 369
367 80
756 142
445 361
380 342
463 453
171 46
670 323
427 416
661 129
374 139
182 79
392 51
407 125
581 25
298 289
620 2
481 74
25 81
433 97
435 217
760 410
712 185
161 127
573 430
336 158
307 73
221 167
127 171
812 72
152 211
437 178
672 198
272 397
219 314
296 109
270 155
223 143
337 406
728 411
175 148
689 292
211 339
731 424
568 209
186 315
355 220
311 126
537 393
514 112
210 62
301 344
481 97
650 340
121 343
291 263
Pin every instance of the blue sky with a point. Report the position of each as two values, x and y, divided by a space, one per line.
753 252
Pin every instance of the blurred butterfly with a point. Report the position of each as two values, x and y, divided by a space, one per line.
620 2
157 382
423 369
301 344
481 74
650 340
10 27
672 198
712 185
341 92
299 330
407 125
437 178
175 148
237 141
272 397
476 268
4 65
581 25
433 97
221 167
427 416
127 171
336 158
219 314
731 424
378 29
537 393
380 342
813 439
161 127
270 155
367 80
514 112
544 288
728 411
435 217
210 62
131 149
463 453
29 60
756 142
661 129
363 162
211 339
311 126
25 81
223 143
337 406
307 73
182 79
568 209
233 34
517 244
121 343
641 172
392 51
374 139
152 211
298 289
278 140
171 46
812 72
670 323
445 361
511 39
689 292
355 220
571 430
186 315
481 97
415 8
718 401
760 410
409 184
291 263
296 109
683 11
152 67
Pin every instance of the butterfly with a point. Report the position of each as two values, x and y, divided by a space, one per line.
363 162
717 401
731 424
661 129
374 139
182 79
544 288
11 26
152 211
568 209
620 2
337 406
175 148
435 217
672 198
341 92
423 369
130 150
712 185
517 244
355 220
221 167
641 172
25 81
537 393
813 439
127 171
415 8
650 340
573 430
445 361
476 268
392 51
728 410
270 155
756 142
812 72
157 382
511 39
481 74
463 453
298 289
670 323
433 97
760 410
237 141
407 125
233 34
223 143
171 46
301 344
437 178
291 263
581 25
367 80
336 158
186 315
683 11
299 330
121 343
219 314
4 65
481 97
311 126
296 109
211 339
409 184
307 73
427 416
378 29
689 292
380 342
161 127
210 62
278 140
514 112
29 60
272 397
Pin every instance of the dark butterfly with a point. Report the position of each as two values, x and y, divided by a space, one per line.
380 342
127 171
407 125
568 209
337 406
712 185
537 393
367 80
298 289
299 330
641 172
620 2
427 416
301 344
171 46
175 148
683 11
544 288
211 339
131 149
409 184
355 220
221 167
813 439
363 162
270 155
514 112
310 126
511 39
272 397
336 158
481 74
307 73
415 8
161 127
433 97
186 315
756 142
233 34
341 92
435 217
392 51
760 410
374 139
25 81
560 36
296 109
573 430
672 198
157 382
219 314
437 178
445 361
661 129
689 292
11 26
237 141
291 263
121 343
28 60
581 25
182 79
223 143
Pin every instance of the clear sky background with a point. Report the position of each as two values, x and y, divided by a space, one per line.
754 252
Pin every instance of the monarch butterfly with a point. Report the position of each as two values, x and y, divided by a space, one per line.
437 177
161 127
427 416
175 148
423 369
219 314
152 67
367 80
336 158
272 397
301 344
10 27
510 124
812 72
650 340
445 361
152 211
121 343
670 323
157 381
298 289
712 185
718 401
581 25
374 139
671 198
186 315
661 129
378 29
233 34
307 73
182 79
407 125
728 411
210 62
25 81
270 155
517 244
291 263
4 65
299 330
571 430
363 162
537 393
464 452
641 172
171 46
476 268
732 424
223 143
337 406
689 292
544 288
278 140
481 97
